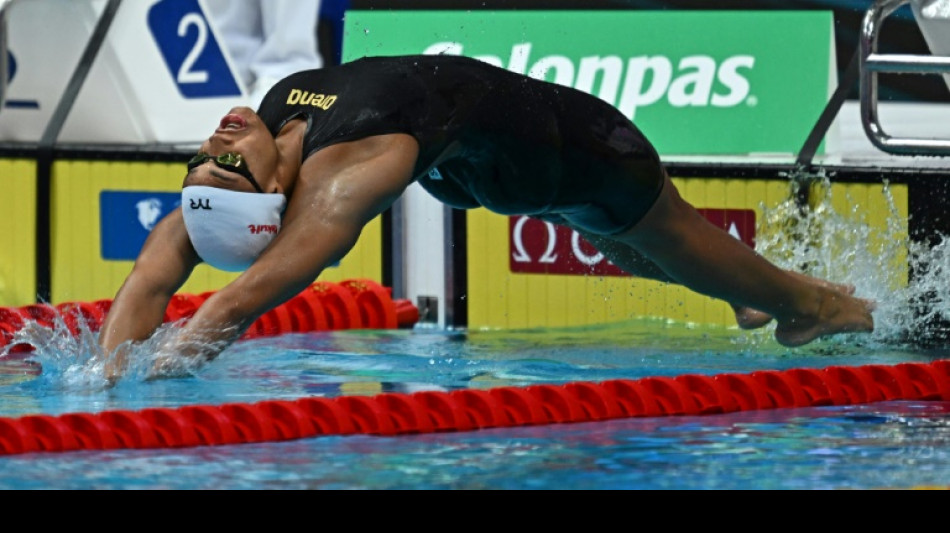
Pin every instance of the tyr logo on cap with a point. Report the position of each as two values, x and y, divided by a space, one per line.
198 203
224 237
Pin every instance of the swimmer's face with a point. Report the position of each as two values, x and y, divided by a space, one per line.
241 132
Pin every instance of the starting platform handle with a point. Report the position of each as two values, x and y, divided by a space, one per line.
873 64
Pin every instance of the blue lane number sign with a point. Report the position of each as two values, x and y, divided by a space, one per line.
190 50
11 73
127 218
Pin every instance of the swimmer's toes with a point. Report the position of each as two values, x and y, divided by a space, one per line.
844 288
797 333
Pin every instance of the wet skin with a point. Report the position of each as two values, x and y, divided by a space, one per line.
339 189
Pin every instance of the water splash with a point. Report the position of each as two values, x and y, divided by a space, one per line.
907 279
71 358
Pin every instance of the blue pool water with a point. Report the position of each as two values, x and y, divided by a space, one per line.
895 445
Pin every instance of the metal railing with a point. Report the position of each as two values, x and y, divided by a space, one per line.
873 64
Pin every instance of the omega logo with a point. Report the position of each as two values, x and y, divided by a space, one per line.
538 247
550 257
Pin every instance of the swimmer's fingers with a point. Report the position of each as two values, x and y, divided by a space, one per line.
850 290
115 365
112 381
171 367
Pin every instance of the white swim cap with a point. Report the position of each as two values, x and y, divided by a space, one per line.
229 229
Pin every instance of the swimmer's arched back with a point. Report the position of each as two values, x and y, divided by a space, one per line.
343 143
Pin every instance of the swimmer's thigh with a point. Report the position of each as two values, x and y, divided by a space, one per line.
612 174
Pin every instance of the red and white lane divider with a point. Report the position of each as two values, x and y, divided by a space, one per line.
470 410
324 306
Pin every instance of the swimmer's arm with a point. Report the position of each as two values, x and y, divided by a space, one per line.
163 266
330 206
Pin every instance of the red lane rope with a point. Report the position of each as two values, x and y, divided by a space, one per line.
324 306
469 410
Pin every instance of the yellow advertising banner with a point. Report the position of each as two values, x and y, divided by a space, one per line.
18 233
103 211
525 274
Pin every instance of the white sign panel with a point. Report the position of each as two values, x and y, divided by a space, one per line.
933 17
163 75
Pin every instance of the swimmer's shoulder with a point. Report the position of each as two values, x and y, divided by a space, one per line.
378 68
387 64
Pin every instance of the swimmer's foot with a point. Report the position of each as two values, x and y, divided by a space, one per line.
750 319
844 288
835 313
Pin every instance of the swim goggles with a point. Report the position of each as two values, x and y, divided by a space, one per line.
231 161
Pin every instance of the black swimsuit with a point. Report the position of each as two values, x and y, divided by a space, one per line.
488 137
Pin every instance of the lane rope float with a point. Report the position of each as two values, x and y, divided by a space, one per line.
324 306
471 410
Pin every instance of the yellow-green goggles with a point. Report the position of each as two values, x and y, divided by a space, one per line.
231 161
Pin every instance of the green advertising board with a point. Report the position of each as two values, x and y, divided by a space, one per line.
696 83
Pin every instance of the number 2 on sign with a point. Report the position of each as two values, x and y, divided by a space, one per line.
186 74
195 60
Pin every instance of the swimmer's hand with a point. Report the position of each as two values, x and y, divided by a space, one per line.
172 366
164 363
188 351
115 365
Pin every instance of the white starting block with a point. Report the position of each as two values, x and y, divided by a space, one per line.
162 76
933 17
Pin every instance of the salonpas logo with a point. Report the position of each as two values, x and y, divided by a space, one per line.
633 83
695 82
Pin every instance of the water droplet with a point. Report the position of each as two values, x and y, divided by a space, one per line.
844 247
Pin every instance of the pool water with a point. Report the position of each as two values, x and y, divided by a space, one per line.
894 445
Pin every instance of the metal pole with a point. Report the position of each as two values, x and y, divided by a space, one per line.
456 269
56 123
907 64
807 154
44 160
399 279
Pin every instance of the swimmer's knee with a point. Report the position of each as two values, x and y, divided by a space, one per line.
669 203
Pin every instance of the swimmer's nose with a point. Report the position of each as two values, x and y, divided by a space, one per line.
219 141
244 112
